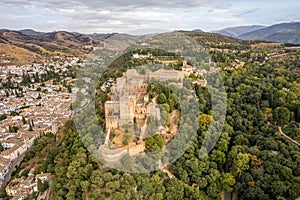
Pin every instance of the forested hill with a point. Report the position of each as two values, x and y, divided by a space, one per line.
252 159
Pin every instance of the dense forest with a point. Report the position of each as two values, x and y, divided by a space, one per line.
253 158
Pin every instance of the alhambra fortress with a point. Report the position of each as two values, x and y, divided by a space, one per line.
129 105
129 98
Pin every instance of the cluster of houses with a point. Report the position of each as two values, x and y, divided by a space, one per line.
142 56
42 107
59 66
20 188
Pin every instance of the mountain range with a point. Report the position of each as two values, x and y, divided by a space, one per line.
284 32
33 43
26 46
238 30
37 41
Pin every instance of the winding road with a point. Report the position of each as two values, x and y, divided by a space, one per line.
287 137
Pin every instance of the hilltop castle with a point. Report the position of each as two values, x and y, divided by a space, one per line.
129 97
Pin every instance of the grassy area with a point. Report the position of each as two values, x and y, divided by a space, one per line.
17 55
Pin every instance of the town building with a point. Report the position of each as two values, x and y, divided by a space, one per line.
187 69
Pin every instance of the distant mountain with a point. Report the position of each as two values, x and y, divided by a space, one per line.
100 35
151 34
72 43
285 32
31 32
60 41
34 45
237 31
67 39
198 31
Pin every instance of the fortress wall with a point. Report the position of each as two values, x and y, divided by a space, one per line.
111 108
111 123
141 110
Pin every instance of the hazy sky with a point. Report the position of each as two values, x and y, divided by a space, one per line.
142 16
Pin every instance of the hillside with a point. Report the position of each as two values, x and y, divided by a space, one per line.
286 32
218 42
251 160
55 42
239 30
65 39
198 30
62 42
16 54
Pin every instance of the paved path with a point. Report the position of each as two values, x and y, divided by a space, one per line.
107 138
83 104
226 195
284 135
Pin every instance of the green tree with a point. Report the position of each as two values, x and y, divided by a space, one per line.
24 120
281 116
154 143
204 120
174 190
167 107
42 186
12 129
3 194
161 99
25 172
193 76
297 113
3 117
240 164
30 127
173 102
226 182
118 196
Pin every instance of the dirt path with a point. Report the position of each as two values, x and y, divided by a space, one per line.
284 135
170 175
165 170
174 118
143 130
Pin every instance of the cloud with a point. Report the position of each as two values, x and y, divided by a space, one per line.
246 12
138 17
119 4
98 16
223 6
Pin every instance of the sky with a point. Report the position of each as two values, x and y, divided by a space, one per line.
143 16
